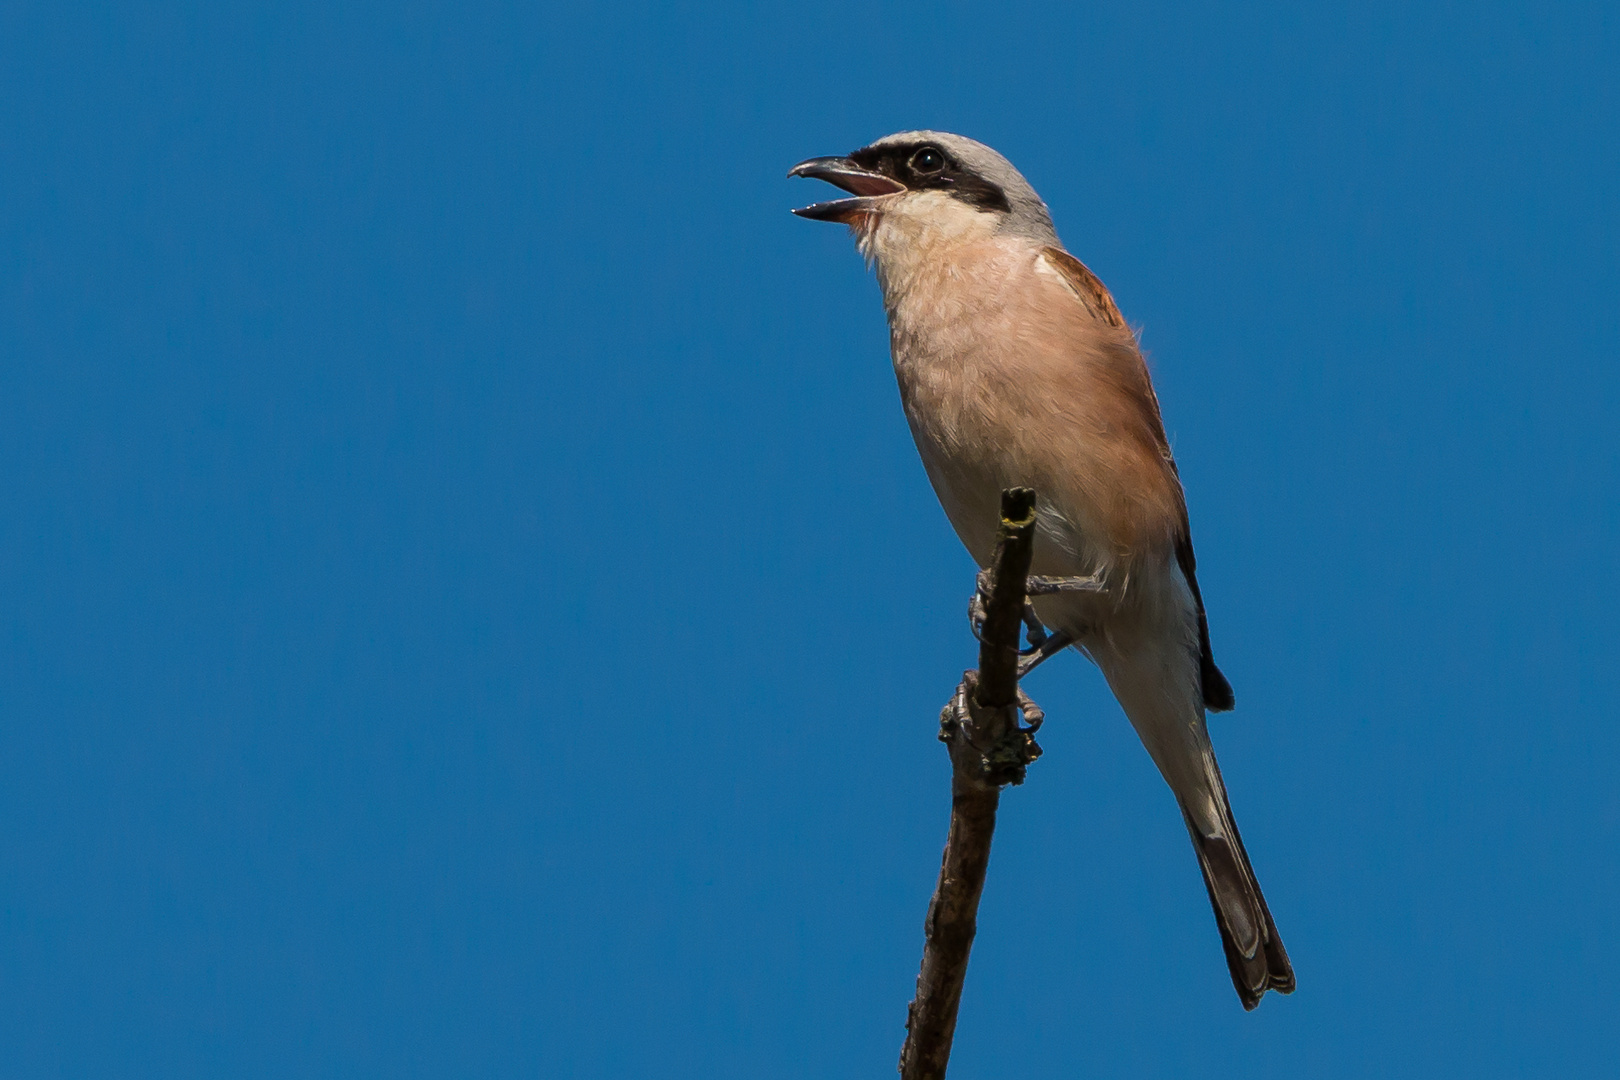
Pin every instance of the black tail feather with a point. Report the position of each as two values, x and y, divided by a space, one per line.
1254 950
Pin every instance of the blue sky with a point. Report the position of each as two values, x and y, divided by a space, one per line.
469 604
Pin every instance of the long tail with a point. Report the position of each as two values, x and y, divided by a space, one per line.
1156 678
1254 951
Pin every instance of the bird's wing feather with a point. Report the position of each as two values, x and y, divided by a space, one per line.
1218 695
1088 287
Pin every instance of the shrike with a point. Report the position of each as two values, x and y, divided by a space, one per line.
1017 369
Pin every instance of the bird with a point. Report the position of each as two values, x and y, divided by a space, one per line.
1016 368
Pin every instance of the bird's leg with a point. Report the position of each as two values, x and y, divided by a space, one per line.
1040 652
1052 586
1034 629
1042 645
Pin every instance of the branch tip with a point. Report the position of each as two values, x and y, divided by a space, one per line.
1017 507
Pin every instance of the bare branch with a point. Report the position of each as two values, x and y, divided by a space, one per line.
988 749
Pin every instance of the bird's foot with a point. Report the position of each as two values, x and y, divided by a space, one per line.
1001 748
1042 644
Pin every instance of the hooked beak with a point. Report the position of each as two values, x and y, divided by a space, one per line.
869 188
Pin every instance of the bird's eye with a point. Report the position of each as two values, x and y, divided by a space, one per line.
928 160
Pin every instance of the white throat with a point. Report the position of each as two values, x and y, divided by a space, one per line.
915 230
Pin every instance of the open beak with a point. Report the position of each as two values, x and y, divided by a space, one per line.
869 188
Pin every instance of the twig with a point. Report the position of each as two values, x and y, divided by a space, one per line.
988 749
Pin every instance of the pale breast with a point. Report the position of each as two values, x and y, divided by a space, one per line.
1007 378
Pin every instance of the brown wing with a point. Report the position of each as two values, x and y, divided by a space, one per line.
1088 285
1094 294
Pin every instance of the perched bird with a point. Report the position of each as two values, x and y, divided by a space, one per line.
1017 369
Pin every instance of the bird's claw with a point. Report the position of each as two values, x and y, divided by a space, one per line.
1006 757
1034 630
1034 716
976 606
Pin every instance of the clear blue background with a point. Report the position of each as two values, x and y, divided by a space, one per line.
469 605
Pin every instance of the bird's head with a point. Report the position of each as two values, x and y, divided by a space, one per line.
923 188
